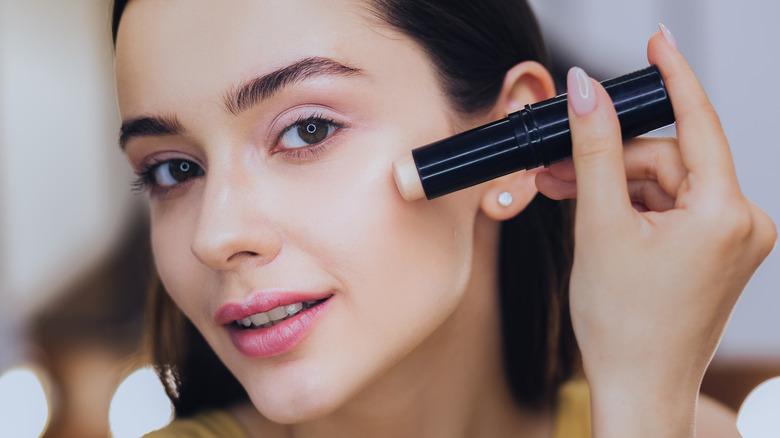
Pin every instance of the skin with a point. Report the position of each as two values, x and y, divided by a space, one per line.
260 220
419 277
655 363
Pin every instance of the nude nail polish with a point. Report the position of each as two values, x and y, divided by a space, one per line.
582 96
667 35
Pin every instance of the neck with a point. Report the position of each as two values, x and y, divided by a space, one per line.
452 385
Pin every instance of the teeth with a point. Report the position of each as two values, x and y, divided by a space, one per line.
269 318
292 309
260 319
277 314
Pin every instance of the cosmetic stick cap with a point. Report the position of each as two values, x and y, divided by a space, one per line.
407 179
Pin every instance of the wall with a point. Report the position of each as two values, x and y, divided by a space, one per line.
63 182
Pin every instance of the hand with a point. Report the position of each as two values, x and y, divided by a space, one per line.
665 241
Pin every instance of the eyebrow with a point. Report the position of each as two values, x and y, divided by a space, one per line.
251 92
242 97
148 126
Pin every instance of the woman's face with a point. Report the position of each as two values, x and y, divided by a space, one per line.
266 132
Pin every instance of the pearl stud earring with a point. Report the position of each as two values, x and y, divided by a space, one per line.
505 199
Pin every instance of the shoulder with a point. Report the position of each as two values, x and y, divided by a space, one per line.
209 424
572 410
715 420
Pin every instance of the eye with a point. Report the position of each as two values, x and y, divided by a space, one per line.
307 132
167 173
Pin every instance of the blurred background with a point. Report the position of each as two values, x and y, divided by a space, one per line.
74 258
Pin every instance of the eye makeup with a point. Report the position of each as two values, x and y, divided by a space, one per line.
300 140
537 135
307 136
160 176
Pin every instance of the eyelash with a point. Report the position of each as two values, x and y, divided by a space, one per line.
313 150
146 180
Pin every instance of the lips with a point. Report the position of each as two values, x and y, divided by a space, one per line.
270 324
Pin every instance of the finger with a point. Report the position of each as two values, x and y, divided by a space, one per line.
563 170
644 158
764 233
703 145
650 194
650 158
597 149
656 159
555 188
641 192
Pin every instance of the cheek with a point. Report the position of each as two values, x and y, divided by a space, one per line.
393 241
403 266
172 228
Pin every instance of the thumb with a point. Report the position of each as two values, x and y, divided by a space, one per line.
597 149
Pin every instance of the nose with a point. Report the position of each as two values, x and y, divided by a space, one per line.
233 227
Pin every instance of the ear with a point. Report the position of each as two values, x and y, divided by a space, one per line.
525 83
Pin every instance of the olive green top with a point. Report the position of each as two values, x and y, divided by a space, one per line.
572 419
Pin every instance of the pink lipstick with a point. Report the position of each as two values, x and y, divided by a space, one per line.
269 324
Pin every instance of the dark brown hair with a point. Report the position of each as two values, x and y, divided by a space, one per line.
472 44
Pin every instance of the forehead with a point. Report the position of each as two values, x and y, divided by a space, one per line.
166 50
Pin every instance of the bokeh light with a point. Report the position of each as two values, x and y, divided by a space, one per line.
759 416
24 408
139 405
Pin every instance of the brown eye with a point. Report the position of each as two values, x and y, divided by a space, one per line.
313 131
176 171
307 132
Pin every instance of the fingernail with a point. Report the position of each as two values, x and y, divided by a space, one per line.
668 35
582 97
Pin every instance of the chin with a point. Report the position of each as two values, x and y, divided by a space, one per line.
292 401
299 411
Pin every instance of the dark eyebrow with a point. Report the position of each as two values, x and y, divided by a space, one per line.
242 97
148 126
249 93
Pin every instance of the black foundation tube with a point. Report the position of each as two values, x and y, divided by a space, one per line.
537 135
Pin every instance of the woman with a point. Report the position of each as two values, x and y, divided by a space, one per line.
264 133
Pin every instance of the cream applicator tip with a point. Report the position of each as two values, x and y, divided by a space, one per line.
407 179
